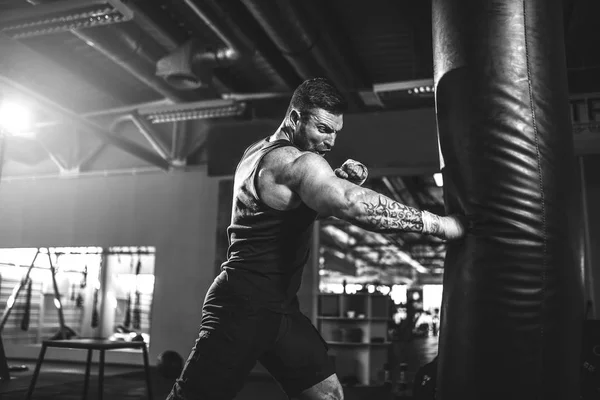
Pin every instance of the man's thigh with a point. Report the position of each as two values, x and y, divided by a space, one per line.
232 337
298 360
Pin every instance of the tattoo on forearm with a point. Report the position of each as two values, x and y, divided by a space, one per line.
435 225
386 214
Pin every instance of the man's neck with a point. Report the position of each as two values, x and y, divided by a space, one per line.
283 132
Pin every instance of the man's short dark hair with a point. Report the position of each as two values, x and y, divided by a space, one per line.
318 93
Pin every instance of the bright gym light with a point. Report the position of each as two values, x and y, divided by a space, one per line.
439 180
15 119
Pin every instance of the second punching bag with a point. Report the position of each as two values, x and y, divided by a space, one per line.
512 306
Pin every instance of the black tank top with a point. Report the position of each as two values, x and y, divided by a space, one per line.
268 248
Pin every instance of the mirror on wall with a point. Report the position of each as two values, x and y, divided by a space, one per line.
70 292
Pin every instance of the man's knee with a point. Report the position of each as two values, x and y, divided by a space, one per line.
337 392
328 389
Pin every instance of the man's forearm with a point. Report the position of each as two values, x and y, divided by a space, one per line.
376 212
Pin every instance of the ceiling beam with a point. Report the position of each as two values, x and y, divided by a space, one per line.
92 127
149 134
57 160
81 11
11 70
85 161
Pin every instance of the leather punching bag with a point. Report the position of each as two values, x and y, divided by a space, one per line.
512 305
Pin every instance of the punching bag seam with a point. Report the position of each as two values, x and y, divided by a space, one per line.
540 176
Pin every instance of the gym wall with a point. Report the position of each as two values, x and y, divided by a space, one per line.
175 212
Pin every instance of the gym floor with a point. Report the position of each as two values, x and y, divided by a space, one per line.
64 381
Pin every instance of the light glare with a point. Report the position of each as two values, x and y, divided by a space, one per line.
439 180
15 119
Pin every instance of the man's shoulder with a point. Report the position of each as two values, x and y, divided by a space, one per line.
273 178
289 158
280 157
294 169
283 165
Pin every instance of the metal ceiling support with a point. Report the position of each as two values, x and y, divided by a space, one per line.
23 64
236 33
167 37
61 16
92 127
151 136
236 47
198 147
84 162
305 43
146 130
178 141
167 110
142 126
62 166
110 111
128 108
119 47
126 50
196 110
158 32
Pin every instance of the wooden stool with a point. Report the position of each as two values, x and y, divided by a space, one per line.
91 344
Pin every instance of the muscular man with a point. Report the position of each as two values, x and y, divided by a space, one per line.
251 311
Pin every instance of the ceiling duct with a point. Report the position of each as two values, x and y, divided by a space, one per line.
62 16
306 42
127 46
190 66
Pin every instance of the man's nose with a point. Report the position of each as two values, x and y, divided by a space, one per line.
330 141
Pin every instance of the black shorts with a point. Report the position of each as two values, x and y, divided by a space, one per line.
236 333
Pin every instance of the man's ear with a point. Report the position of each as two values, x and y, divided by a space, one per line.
294 117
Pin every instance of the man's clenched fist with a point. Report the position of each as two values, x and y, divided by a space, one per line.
352 171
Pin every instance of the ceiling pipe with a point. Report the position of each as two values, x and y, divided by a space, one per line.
168 36
306 44
165 36
131 54
127 50
235 48
191 65
235 31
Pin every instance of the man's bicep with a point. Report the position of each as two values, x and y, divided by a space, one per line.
313 180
